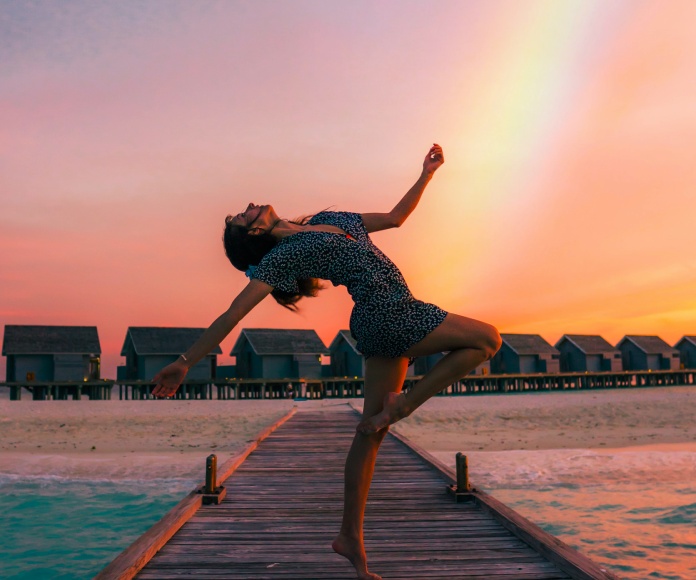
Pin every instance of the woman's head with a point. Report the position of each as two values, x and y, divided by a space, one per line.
247 239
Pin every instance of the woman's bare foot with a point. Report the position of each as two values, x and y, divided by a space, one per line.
393 410
354 551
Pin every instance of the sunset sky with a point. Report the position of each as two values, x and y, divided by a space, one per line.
129 130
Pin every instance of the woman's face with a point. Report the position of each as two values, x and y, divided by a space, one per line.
254 216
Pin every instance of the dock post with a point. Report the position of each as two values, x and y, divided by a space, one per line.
210 492
210 473
462 490
462 473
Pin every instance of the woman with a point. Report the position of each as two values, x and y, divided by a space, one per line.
286 259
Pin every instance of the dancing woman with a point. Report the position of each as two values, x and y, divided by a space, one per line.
286 259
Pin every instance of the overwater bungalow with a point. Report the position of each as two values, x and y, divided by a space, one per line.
647 353
149 348
588 353
347 361
525 354
687 352
226 372
279 353
51 353
424 363
483 369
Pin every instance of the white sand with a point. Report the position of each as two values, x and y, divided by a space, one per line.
555 420
152 439
127 439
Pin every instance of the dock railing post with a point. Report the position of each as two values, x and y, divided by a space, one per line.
210 473
462 490
462 473
211 493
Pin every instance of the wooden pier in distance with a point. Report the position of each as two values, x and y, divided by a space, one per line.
283 508
349 387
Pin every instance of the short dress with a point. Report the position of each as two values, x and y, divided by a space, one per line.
386 320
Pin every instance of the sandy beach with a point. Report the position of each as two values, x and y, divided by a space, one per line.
149 439
126 439
555 420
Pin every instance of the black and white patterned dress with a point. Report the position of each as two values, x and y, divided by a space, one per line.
386 319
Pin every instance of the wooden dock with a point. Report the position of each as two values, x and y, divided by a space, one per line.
348 387
283 508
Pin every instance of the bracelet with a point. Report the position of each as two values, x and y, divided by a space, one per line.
182 356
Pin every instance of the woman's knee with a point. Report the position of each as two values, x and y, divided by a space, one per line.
376 437
491 341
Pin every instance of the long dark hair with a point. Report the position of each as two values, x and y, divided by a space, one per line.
244 250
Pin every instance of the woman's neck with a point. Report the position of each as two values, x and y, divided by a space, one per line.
283 228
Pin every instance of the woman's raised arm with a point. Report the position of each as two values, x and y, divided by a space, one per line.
170 377
375 222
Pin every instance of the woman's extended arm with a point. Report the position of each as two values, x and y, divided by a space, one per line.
375 222
171 376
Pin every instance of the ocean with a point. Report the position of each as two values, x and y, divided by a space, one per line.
58 528
633 510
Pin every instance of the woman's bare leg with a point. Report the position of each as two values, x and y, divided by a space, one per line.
469 342
383 376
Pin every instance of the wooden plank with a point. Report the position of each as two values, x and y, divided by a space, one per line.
228 468
129 562
273 573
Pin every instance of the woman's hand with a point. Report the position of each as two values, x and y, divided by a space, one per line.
433 159
169 379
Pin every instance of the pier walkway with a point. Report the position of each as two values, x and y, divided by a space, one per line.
283 508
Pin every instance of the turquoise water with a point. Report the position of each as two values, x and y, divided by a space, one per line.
70 529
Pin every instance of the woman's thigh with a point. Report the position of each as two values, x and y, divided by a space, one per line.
382 376
456 332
